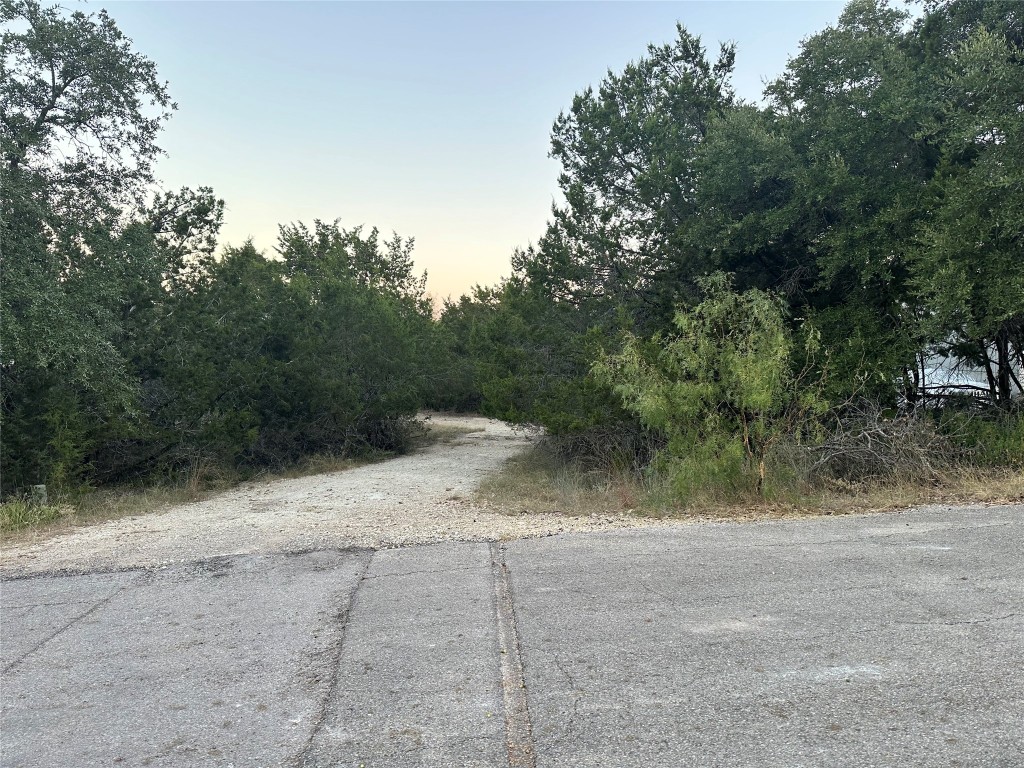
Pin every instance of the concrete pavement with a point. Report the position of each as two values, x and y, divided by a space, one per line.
890 640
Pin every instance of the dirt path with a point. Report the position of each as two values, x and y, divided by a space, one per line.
416 499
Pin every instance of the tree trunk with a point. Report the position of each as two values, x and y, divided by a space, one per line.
992 386
1003 363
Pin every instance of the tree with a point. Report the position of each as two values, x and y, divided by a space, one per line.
860 116
79 277
968 265
79 109
68 306
752 220
387 267
185 225
615 256
268 361
627 152
720 387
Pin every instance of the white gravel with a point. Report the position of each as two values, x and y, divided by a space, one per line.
420 498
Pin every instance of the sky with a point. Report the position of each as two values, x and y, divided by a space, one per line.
428 119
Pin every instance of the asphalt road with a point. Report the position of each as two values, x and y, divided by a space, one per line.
893 640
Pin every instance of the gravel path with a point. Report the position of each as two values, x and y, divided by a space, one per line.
420 498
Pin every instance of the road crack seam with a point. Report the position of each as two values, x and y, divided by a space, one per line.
60 630
342 620
424 572
961 623
518 729
577 695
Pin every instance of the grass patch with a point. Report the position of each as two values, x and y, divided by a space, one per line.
324 464
17 514
443 433
951 486
90 507
542 480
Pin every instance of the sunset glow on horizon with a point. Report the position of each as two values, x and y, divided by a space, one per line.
427 119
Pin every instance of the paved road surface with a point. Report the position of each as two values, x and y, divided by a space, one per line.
892 640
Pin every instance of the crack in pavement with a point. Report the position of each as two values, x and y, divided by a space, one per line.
959 623
95 607
570 725
9 606
518 728
342 620
424 572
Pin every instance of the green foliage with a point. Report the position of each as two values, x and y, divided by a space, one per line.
460 328
79 113
752 219
128 349
185 226
993 439
78 108
270 361
721 388
876 193
68 308
967 268
331 250
530 359
871 216
628 152
859 116
16 514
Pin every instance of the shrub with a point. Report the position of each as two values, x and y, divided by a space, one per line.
991 438
721 390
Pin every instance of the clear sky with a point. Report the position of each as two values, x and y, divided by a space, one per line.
428 119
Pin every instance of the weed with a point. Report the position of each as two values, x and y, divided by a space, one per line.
17 514
543 479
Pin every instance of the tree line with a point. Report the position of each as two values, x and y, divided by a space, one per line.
724 280
128 349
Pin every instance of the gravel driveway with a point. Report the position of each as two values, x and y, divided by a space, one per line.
421 498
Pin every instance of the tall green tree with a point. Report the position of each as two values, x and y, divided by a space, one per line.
81 277
614 257
859 115
968 267
79 109
628 151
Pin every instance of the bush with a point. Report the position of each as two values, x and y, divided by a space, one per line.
20 513
721 390
991 438
617 449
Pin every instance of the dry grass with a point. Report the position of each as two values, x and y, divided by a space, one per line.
952 486
443 433
323 464
20 521
539 481
89 508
